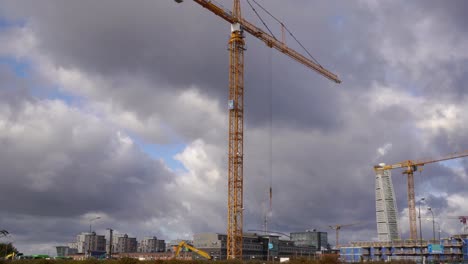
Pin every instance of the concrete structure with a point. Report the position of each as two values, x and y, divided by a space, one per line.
319 240
452 249
143 256
89 242
161 245
151 245
386 208
124 244
254 246
63 251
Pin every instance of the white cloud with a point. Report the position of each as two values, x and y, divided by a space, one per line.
381 151
308 164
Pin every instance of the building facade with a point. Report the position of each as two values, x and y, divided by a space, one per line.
63 251
89 242
124 244
151 245
386 208
452 249
254 246
319 240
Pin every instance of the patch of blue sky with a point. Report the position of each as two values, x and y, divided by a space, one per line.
453 163
7 23
338 22
21 68
397 77
166 152
68 98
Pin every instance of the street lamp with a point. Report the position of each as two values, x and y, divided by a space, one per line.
420 230
438 226
110 242
91 220
433 222
90 231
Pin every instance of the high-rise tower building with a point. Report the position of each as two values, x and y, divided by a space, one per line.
386 208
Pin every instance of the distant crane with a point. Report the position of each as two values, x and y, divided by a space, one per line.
236 109
463 221
337 228
410 167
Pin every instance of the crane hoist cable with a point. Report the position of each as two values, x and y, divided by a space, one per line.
261 19
268 212
236 50
290 33
270 78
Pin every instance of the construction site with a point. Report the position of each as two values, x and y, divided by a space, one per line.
392 241
389 245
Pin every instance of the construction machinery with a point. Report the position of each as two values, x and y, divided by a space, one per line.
236 108
337 229
184 244
11 256
410 166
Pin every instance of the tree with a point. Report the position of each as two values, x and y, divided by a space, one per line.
7 248
3 233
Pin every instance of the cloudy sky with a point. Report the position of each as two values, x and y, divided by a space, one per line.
118 109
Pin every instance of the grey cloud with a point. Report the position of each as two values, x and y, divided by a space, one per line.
181 45
325 136
72 168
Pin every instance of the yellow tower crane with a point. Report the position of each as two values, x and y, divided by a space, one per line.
236 109
410 166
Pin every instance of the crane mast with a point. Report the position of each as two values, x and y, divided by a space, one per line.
411 204
236 109
236 136
337 229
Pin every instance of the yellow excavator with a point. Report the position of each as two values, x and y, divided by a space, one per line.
200 252
11 256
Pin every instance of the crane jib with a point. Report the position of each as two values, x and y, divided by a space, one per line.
269 40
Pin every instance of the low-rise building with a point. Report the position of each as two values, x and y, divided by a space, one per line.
88 242
254 246
452 249
311 238
151 245
124 244
63 251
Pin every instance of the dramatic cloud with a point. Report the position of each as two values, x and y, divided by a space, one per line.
119 109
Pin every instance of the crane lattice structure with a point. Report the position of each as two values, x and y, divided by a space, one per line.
410 166
337 229
236 109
